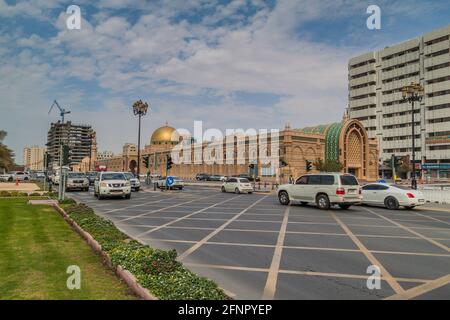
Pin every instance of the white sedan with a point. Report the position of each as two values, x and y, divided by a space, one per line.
391 196
237 185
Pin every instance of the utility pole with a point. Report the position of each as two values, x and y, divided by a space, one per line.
60 187
412 93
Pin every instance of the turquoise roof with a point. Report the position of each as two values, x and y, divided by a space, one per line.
332 141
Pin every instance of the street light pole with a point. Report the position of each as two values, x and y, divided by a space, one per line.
412 93
90 150
139 109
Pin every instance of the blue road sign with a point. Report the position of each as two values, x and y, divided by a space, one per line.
169 181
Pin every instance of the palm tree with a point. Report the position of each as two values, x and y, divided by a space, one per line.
6 154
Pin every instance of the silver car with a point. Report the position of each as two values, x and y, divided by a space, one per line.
77 180
323 189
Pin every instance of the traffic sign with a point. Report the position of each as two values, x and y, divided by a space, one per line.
169 181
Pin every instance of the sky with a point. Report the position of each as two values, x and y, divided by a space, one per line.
231 64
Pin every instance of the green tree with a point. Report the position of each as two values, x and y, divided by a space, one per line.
328 165
6 154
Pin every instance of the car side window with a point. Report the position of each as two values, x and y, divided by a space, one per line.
327 180
369 187
382 188
302 180
314 180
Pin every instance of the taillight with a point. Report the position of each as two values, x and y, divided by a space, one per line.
340 191
360 191
410 195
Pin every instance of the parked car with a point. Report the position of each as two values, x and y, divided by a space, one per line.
110 184
249 177
391 196
202 177
20 175
323 189
237 185
77 180
135 183
7 177
214 177
177 183
91 177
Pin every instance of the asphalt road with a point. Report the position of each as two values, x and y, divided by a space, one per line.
255 248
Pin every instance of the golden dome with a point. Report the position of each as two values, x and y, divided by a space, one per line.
165 135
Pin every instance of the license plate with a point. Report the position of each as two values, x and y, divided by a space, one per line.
421 200
115 190
351 191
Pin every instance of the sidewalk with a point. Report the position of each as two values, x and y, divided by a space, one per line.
23 187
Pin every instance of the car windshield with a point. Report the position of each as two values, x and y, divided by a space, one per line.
348 180
113 176
244 180
129 175
75 175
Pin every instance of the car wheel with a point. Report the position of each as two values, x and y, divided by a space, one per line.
99 197
236 191
25 179
223 189
283 197
128 196
345 206
137 189
391 203
303 203
322 201
250 192
10 179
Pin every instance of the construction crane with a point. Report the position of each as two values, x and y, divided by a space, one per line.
62 111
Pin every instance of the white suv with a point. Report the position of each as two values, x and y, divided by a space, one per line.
135 183
324 189
111 184
237 185
77 180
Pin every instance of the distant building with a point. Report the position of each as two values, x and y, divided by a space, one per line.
346 142
80 138
375 82
102 155
33 158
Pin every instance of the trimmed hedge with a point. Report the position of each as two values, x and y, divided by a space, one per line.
17 194
155 269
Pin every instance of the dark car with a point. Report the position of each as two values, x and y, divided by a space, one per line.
202 177
250 178
214 178
91 176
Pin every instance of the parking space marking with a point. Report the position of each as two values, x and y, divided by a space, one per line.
272 277
303 273
187 216
433 209
432 218
389 278
165 208
422 289
223 226
440 245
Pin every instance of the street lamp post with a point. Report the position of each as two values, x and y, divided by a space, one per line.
412 93
139 109
91 136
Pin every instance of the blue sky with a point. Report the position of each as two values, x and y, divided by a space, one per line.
232 64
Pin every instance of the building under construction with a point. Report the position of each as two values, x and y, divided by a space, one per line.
81 140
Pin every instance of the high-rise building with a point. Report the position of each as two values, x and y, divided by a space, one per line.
81 140
375 82
33 158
